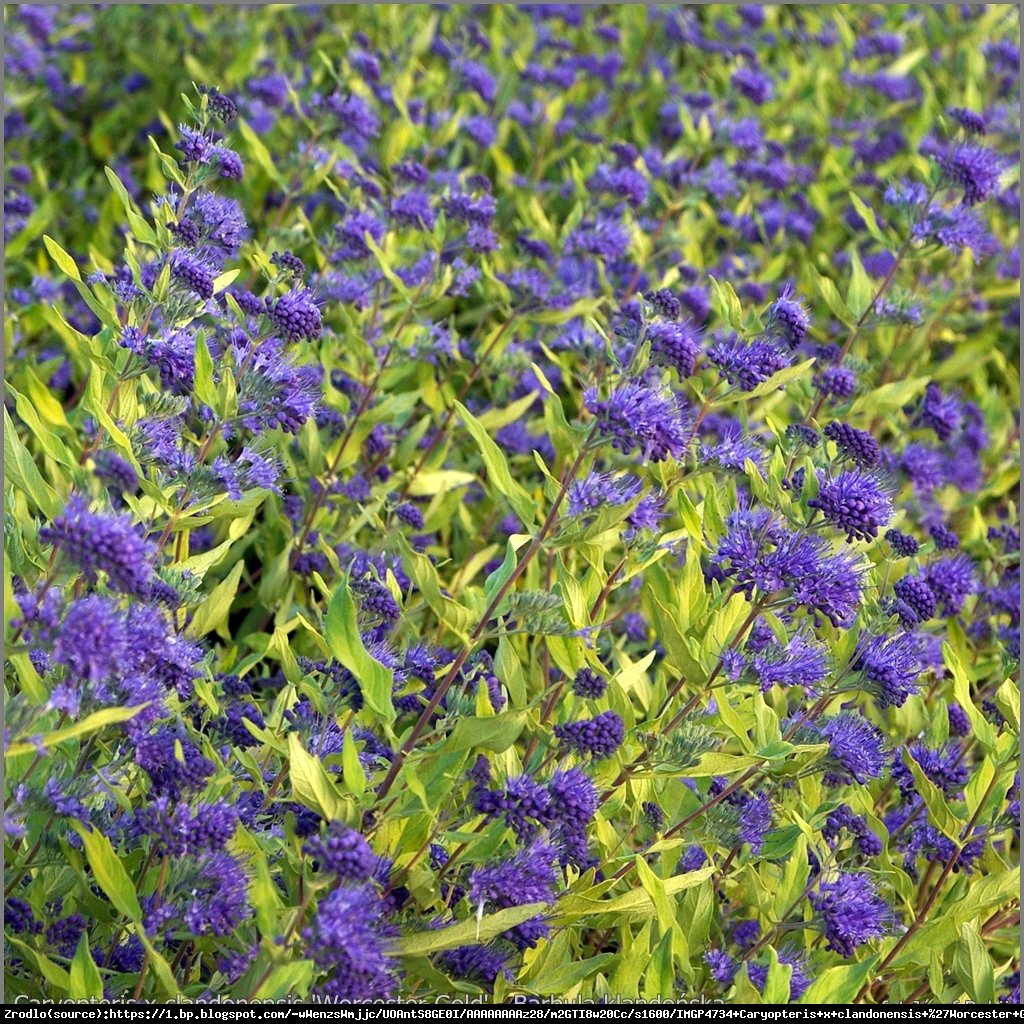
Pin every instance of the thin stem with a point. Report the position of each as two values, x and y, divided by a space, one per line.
481 627
300 913
449 415
164 867
370 391
922 916
35 763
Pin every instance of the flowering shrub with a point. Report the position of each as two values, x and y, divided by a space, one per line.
512 500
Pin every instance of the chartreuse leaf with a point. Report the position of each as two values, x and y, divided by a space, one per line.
61 258
785 376
259 151
140 228
213 613
860 293
942 928
1008 702
291 978
468 932
90 724
84 978
311 783
204 386
981 728
424 574
498 472
938 807
727 303
51 444
496 733
109 872
655 888
341 632
889 397
159 965
839 984
20 469
868 216
42 398
830 293
635 905
973 966
352 770
45 967
776 986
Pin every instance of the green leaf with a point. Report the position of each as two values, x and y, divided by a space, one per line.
889 397
205 388
564 977
830 293
470 932
352 770
311 783
423 573
161 968
715 763
497 579
839 984
109 872
85 980
973 967
260 152
92 723
498 472
286 979
981 727
45 967
341 632
20 469
938 808
861 292
496 733
216 606
61 258
140 228
868 216
778 380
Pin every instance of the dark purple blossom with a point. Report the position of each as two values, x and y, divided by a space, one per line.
855 502
596 737
857 445
349 939
342 852
747 365
891 665
635 416
975 168
952 580
855 748
102 542
851 912
296 315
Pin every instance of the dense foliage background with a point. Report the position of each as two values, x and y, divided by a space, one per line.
512 500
